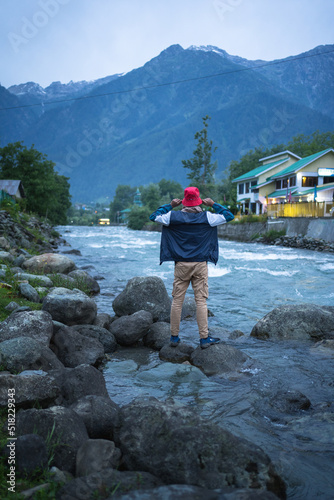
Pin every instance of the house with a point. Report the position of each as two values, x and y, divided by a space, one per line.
285 177
253 186
12 188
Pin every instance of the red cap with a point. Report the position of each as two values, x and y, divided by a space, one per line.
191 197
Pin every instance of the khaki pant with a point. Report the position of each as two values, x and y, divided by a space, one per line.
195 273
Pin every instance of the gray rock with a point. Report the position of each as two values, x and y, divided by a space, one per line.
74 349
18 261
6 257
103 320
219 358
107 480
33 278
83 277
30 454
12 306
290 401
73 251
76 383
28 292
165 438
34 324
70 306
94 455
144 293
188 308
24 353
49 263
61 426
129 329
179 354
106 338
100 415
158 335
31 387
296 322
4 243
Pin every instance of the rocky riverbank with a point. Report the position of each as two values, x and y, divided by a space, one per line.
52 364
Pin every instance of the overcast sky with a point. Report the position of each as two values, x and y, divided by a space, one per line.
62 40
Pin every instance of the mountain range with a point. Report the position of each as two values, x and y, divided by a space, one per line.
136 128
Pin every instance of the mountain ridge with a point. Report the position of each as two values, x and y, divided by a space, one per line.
143 123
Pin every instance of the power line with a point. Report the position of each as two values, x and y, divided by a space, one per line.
148 87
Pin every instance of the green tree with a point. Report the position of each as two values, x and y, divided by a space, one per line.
123 199
138 217
170 190
151 196
47 193
201 169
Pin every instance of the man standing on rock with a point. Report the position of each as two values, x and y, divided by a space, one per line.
189 238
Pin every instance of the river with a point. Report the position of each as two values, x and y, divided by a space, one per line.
249 281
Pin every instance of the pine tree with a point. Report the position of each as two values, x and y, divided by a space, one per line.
201 169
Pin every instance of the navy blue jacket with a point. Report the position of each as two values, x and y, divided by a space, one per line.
190 237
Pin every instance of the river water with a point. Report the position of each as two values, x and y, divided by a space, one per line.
249 281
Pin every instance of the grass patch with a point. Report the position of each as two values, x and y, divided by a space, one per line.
61 281
7 296
250 218
272 235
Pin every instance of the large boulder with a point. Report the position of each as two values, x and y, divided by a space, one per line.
219 359
28 292
34 324
75 383
74 349
49 263
62 427
158 335
86 280
144 293
106 338
24 353
177 354
30 454
296 322
30 387
100 415
95 455
129 329
70 307
182 448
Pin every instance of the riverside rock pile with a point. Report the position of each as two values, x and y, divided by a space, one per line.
301 242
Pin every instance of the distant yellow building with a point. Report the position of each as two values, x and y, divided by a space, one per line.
104 222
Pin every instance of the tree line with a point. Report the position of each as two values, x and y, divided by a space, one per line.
47 193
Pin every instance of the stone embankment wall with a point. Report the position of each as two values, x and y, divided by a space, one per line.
321 229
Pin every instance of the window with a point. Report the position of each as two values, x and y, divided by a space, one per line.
278 185
285 183
309 181
292 181
247 187
327 180
241 188
253 183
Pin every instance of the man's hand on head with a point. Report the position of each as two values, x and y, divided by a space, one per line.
208 201
175 202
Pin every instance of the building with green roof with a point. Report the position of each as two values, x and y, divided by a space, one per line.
285 177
